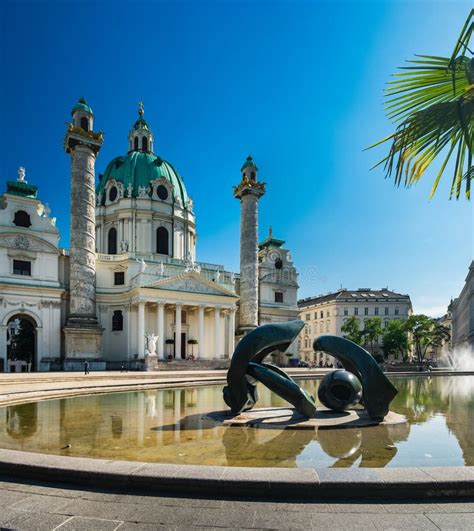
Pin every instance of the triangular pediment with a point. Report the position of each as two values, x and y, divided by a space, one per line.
191 282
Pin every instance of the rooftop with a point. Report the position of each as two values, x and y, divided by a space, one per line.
360 294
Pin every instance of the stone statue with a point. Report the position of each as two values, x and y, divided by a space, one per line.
232 278
162 269
46 211
53 222
99 198
21 175
142 265
129 190
218 276
151 344
124 246
142 191
191 265
120 192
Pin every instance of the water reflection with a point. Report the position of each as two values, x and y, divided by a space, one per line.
173 426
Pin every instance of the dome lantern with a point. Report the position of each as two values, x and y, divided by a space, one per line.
140 137
82 115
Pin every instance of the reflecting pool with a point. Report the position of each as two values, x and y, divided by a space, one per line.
171 426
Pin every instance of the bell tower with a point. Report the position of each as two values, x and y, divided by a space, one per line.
83 334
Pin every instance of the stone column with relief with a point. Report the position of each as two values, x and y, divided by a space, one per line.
83 334
248 191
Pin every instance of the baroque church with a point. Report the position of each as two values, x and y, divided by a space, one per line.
130 291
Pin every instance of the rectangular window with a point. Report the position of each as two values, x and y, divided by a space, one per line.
396 311
308 316
386 311
366 311
315 315
327 313
356 311
376 311
279 298
21 267
321 314
119 278
346 311
183 316
327 326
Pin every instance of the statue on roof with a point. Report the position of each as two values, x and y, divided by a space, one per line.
21 175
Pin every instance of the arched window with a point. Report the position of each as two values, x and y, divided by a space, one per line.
135 144
117 321
112 241
85 123
162 244
145 144
22 219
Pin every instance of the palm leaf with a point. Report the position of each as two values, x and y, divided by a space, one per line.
432 103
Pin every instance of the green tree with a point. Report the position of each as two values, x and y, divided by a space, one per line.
372 331
440 334
425 332
432 103
351 330
395 340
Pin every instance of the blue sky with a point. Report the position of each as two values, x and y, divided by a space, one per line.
296 84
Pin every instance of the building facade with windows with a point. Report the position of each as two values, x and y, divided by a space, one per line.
463 314
326 314
150 294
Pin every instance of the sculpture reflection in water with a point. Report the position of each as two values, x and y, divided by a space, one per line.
371 446
362 381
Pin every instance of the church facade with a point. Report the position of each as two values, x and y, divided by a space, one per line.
130 290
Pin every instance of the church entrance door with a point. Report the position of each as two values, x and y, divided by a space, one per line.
182 354
21 344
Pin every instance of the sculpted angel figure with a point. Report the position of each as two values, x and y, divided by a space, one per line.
151 344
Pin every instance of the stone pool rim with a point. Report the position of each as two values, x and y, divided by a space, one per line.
290 483
204 480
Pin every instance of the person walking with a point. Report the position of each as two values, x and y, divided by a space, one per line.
86 367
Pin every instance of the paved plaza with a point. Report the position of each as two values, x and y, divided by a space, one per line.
39 507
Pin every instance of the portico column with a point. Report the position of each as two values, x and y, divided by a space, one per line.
231 331
177 340
201 332
141 329
217 334
161 329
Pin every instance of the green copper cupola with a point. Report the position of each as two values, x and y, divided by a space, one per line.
82 115
140 138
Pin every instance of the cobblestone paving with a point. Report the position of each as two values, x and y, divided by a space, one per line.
28 506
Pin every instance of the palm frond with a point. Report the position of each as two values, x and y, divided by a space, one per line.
432 101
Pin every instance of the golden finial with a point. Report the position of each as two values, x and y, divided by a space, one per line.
140 108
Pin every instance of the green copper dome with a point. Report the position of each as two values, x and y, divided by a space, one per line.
139 169
81 105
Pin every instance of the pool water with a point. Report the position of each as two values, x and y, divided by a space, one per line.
172 426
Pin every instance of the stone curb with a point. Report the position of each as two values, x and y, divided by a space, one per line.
290 483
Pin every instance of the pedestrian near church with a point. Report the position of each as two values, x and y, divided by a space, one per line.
86 367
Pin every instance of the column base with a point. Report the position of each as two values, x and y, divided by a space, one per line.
83 341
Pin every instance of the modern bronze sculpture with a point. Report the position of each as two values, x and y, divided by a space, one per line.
362 380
